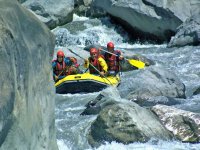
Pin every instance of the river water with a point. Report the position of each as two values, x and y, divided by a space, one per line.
72 128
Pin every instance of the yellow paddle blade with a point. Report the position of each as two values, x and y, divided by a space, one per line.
136 63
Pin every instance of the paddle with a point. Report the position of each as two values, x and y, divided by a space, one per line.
133 62
89 63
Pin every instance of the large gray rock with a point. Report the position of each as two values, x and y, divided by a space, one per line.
151 82
188 33
83 8
106 98
169 101
26 97
184 125
150 17
181 9
52 13
126 123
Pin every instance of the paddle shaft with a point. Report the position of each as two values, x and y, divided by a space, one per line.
112 53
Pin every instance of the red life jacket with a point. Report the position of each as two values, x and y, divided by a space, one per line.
59 68
96 64
112 61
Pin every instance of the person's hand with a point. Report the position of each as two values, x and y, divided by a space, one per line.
121 57
102 74
56 78
85 61
73 69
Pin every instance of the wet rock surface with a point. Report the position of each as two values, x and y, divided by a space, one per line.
184 125
188 33
126 123
27 101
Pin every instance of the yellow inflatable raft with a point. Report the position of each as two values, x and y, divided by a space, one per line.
85 83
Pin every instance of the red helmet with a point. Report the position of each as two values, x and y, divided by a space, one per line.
93 51
60 53
110 45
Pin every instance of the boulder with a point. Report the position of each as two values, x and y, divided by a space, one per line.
151 82
169 101
184 125
107 97
52 13
150 19
188 33
27 93
126 123
83 8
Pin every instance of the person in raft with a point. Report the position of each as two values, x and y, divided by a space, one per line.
96 63
64 66
113 58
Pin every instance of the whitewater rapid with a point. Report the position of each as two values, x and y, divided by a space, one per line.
72 128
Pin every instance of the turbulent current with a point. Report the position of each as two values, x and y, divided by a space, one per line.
72 128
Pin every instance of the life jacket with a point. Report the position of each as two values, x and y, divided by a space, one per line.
96 64
112 61
59 68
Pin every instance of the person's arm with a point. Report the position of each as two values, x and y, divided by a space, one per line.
86 63
119 54
103 64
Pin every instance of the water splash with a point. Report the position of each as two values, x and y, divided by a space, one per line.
62 145
151 145
83 32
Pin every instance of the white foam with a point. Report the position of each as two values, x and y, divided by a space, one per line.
139 45
62 145
78 18
157 145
